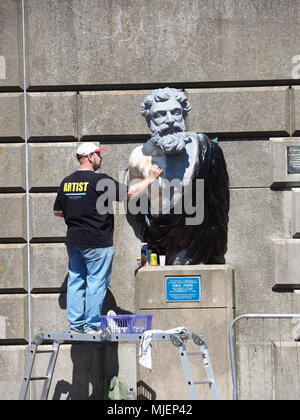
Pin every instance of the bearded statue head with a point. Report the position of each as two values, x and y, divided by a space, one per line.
165 111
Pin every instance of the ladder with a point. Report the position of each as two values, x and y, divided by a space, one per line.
178 340
203 352
33 351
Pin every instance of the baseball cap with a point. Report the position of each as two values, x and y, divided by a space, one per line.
86 148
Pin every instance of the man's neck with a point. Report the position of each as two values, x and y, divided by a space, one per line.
85 168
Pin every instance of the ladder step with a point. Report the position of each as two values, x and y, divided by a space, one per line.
39 378
45 351
193 353
203 381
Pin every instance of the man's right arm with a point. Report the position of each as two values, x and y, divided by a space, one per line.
141 187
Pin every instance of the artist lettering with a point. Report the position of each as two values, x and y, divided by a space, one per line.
75 186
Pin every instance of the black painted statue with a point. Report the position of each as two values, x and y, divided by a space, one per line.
185 219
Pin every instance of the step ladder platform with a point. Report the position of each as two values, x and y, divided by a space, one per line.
69 337
104 336
177 339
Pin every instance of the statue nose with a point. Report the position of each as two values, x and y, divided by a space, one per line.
169 118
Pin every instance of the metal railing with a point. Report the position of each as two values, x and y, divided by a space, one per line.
269 356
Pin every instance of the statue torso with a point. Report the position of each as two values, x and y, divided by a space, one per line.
177 168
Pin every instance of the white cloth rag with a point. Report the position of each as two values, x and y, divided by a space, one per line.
145 350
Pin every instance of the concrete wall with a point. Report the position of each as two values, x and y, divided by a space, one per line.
88 64
211 316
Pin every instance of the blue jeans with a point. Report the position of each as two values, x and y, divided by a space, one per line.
89 277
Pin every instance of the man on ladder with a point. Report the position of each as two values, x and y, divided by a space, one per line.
90 234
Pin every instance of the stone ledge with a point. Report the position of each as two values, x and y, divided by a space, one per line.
43 223
240 110
111 113
286 260
13 318
15 225
13 267
49 267
48 313
11 44
12 166
50 163
12 368
11 115
295 109
115 45
251 158
53 114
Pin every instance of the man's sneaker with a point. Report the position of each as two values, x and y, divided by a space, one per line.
93 332
72 331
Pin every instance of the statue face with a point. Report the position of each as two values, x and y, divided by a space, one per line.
166 118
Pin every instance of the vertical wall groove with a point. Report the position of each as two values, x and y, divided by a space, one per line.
26 137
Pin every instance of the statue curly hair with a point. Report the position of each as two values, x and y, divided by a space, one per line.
163 95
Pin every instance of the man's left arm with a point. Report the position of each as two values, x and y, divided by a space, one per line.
58 213
57 207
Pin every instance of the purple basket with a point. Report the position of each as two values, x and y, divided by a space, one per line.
127 324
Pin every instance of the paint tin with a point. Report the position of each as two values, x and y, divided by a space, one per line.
153 259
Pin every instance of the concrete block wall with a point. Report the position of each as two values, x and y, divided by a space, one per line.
210 316
88 65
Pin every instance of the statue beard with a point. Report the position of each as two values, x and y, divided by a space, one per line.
170 141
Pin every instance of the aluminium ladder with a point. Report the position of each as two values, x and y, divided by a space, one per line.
178 340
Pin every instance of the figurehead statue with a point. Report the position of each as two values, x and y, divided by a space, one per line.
194 177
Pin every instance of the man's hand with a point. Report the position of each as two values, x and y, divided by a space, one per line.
154 172
58 213
141 187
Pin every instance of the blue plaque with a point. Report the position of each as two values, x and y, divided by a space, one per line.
183 289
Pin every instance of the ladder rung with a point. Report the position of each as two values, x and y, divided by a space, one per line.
203 381
45 351
39 378
193 353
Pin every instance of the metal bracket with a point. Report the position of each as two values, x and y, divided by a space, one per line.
198 340
59 341
105 335
184 336
38 339
176 340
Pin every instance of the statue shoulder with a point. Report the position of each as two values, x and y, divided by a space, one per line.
208 146
139 163
204 139
136 156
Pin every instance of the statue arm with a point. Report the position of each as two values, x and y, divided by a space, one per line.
139 164
137 171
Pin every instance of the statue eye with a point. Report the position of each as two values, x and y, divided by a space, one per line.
177 111
160 114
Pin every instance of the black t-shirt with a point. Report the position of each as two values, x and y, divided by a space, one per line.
86 197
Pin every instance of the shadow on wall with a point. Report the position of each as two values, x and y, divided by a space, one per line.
93 364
